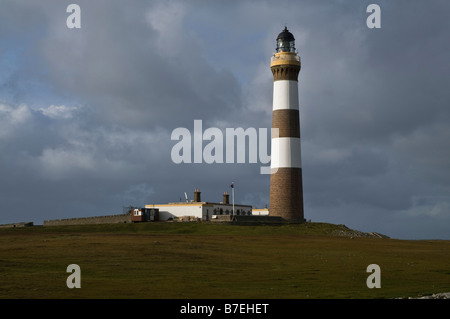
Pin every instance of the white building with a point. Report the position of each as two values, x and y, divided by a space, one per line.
260 212
200 210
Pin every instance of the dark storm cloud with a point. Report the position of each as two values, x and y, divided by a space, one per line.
86 115
136 69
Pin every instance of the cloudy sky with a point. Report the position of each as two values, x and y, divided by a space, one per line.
86 115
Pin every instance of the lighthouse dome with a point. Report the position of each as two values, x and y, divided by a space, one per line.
286 35
285 41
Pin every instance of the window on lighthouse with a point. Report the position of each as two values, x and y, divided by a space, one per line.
291 46
285 46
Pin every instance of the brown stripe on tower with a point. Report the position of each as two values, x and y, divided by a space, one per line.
287 122
286 191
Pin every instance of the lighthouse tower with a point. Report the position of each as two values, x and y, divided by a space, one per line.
286 191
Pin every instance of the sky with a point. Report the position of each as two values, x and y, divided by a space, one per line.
87 114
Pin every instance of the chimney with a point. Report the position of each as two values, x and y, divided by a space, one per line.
226 198
197 195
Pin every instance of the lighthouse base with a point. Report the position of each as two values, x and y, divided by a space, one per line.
286 194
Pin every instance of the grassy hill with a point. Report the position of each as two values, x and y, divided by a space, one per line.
202 260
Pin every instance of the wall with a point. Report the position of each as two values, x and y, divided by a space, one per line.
21 224
110 219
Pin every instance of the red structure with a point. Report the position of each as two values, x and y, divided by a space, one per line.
139 215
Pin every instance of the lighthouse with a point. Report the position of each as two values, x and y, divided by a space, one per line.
286 190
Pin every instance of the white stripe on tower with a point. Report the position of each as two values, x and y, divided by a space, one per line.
285 95
286 152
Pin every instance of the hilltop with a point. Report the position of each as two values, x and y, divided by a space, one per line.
214 228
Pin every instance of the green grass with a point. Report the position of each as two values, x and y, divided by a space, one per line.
196 260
